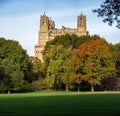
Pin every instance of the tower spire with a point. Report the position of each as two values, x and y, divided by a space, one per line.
44 14
81 14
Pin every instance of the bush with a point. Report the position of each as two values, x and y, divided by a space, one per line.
39 85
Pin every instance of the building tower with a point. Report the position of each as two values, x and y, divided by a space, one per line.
48 32
42 36
51 24
81 24
44 23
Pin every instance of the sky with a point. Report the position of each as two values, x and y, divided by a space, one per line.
20 19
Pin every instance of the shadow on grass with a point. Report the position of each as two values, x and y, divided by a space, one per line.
61 105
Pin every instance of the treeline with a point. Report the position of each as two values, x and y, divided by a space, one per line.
70 63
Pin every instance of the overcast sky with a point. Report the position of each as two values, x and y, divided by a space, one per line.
19 19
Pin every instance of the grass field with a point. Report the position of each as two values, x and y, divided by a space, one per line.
60 104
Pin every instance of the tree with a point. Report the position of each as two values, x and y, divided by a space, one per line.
37 74
13 76
13 51
110 11
92 62
58 66
35 71
58 53
115 51
67 41
116 56
76 65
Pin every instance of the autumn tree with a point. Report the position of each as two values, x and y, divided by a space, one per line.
57 53
92 62
110 11
76 65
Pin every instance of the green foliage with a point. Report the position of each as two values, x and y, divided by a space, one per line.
39 85
115 51
13 51
99 64
58 66
14 63
69 40
110 11
69 61
36 72
13 76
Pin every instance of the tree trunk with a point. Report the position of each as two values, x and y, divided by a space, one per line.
78 89
92 88
8 91
59 87
67 88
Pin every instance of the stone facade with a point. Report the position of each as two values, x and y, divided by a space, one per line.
48 32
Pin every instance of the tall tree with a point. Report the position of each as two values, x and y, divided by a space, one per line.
13 76
76 64
92 62
13 51
36 72
110 11
58 65
60 50
115 51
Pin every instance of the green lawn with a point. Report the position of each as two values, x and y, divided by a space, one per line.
60 104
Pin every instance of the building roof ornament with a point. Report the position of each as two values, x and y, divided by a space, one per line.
81 14
44 14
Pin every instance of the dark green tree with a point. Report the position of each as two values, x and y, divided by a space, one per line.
115 51
36 72
110 11
67 41
12 50
12 76
13 53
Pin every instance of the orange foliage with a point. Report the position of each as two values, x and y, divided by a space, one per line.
87 60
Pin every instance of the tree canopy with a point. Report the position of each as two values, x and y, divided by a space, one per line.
12 78
69 40
58 66
115 51
59 52
70 62
13 50
92 62
110 11
14 64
